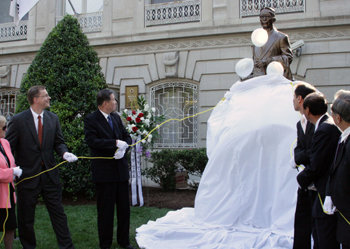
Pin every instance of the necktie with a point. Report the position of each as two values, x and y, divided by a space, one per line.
339 148
337 152
40 130
110 122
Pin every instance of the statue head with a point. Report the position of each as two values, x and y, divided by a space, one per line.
267 17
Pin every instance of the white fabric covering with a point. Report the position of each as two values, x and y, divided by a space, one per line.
247 194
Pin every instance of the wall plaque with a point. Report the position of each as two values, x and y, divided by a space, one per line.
131 94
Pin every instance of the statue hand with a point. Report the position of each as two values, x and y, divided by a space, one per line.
259 63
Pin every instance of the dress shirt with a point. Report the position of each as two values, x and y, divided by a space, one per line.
303 122
318 121
105 115
35 116
345 134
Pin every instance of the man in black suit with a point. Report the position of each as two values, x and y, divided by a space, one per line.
104 134
338 187
34 135
323 146
303 222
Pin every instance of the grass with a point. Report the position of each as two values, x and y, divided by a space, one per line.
82 221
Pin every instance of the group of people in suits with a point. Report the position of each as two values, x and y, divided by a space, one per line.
32 136
322 205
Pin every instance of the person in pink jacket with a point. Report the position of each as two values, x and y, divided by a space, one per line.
8 172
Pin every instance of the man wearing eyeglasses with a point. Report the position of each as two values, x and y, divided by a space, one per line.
34 135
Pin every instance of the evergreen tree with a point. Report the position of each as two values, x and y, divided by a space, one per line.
70 70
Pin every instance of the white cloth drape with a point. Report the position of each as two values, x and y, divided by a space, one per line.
247 194
136 181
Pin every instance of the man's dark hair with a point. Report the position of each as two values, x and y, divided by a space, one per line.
104 95
341 105
316 102
303 89
34 92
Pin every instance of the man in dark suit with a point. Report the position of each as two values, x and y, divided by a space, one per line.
338 187
323 147
277 47
104 134
34 135
303 222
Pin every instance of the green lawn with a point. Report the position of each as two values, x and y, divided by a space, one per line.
83 226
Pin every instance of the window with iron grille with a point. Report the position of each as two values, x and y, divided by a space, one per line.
8 102
176 100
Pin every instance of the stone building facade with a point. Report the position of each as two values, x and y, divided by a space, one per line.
181 54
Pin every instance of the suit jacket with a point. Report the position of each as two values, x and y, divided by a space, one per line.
6 174
101 140
323 146
338 188
277 48
302 150
32 158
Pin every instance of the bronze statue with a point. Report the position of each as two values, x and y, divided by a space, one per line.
277 47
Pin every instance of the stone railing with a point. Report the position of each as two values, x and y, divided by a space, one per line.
173 12
253 7
89 22
11 32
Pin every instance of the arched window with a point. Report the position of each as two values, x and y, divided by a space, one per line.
176 100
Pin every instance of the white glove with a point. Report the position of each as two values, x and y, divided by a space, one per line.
17 171
301 168
122 145
69 157
328 206
312 187
119 154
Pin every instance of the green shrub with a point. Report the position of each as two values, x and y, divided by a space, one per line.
167 162
193 161
164 169
70 70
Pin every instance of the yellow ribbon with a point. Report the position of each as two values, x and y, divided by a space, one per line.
91 158
319 197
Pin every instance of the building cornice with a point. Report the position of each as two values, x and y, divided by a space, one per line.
238 35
